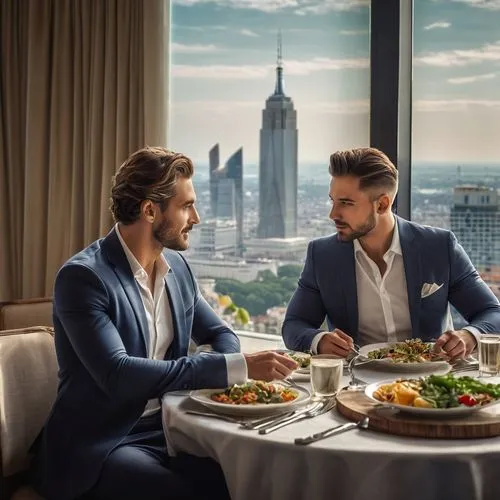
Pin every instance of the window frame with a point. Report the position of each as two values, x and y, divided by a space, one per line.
391 75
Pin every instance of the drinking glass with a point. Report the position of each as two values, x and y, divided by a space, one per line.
326 372
489 355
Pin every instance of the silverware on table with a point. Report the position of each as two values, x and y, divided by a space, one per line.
254 424
214 415
257 424
362 424
317 409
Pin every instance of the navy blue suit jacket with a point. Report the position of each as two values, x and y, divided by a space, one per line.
105 377
327 287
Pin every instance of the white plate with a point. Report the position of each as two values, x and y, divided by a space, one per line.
203 396
427 412
388 364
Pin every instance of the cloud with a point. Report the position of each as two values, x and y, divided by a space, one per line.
221 72
439 24
214 107
200 28
353 32
457 57
437 105
355 107
193 49
300 7
482 4
324 6
471 79
254 72
247 32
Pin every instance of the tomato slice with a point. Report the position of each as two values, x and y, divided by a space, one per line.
467 400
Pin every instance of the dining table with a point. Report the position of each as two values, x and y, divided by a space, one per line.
355 465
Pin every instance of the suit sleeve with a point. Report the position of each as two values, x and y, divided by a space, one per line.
208 327
81 304
469 294
306 311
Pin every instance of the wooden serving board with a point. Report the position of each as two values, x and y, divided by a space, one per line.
354 405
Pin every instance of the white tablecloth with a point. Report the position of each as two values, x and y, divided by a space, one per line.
357 465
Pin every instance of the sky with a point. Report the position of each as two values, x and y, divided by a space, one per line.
223 59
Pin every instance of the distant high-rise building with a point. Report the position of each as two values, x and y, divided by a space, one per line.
226 190
475 220
278 168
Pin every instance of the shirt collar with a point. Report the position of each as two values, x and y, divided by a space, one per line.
395 244
138 271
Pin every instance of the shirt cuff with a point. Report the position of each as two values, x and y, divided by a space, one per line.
237 372
474 332
315 342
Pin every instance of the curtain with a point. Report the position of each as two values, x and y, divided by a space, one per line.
83 84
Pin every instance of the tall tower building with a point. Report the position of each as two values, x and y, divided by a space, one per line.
226 190
278 169
475 220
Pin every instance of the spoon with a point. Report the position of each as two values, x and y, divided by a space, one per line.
362 424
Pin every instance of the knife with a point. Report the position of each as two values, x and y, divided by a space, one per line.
363 424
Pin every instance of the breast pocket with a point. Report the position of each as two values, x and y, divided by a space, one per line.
436 300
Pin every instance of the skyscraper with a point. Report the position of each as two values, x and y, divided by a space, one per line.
278 168
226 189
475 220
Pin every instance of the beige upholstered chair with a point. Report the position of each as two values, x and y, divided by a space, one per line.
28 384
25 313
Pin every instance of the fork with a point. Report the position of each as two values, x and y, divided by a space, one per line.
473 367
322 407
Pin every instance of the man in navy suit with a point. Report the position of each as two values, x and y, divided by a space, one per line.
380 278
125 309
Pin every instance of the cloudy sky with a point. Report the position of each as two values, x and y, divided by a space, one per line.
223 69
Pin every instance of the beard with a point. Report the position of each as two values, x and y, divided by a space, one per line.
170 238
360 231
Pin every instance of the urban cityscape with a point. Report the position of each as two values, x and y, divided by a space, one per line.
259 211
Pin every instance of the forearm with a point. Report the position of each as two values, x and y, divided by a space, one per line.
133 378
298 335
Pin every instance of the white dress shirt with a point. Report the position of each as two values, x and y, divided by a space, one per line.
160 324
384 314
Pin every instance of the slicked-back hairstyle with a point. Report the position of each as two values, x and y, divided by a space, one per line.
148 174
370 165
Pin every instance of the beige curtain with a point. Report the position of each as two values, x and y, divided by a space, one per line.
83 84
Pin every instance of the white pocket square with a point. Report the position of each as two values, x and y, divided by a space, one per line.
429 289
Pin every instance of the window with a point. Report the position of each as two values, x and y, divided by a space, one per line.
261 94
456 125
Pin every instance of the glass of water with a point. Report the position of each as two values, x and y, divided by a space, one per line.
326 372
489 355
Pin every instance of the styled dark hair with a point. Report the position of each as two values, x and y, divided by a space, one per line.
148 174
370 165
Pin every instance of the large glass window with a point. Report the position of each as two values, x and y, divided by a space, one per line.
456 125
262 92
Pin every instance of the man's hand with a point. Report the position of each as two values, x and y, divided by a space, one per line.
269 365
336 342
456 344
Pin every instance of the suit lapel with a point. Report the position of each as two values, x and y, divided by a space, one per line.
348 264
178 317
116 256
413 272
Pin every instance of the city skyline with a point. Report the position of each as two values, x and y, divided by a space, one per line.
223 63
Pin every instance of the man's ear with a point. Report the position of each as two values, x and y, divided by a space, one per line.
383 204
147 211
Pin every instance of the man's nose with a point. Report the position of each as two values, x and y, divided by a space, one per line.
196 216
